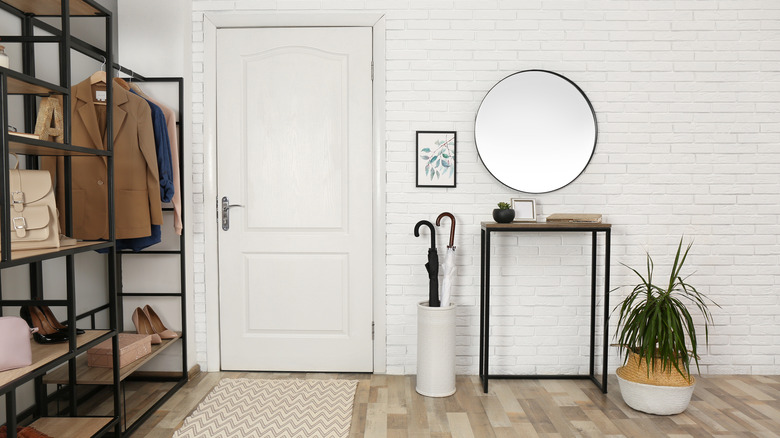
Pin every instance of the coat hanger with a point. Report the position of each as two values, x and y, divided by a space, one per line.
100 75
122 83
139 91
134 86
125 82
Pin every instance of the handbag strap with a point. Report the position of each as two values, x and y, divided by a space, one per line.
17 197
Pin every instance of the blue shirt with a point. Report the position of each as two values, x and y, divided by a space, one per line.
163 146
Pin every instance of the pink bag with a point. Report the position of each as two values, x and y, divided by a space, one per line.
15 350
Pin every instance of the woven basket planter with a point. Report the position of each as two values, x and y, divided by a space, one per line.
660 393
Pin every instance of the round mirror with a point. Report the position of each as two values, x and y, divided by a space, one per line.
535 131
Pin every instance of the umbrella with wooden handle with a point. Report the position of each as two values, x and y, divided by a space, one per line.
448 268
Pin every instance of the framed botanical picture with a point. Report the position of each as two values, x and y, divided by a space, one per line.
525 210
436 159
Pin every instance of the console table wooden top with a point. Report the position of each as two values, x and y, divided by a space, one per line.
541 226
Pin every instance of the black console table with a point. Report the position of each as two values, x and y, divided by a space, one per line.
489 228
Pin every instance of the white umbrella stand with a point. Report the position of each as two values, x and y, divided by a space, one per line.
436 333
435 350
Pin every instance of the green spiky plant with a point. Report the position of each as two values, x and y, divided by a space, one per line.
654 321
503 206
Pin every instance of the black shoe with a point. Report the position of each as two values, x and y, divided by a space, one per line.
24 313
46 334
47 313
54 338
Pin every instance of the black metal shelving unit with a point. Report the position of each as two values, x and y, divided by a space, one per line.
48 357
66 360
175 379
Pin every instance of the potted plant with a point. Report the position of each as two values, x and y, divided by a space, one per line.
657 336
503 214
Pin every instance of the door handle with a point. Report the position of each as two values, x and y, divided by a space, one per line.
226 205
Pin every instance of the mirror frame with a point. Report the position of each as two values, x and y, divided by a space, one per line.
592 111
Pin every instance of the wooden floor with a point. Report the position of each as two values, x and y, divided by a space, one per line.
388 406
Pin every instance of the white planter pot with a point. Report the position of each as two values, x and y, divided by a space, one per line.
435 350
657 400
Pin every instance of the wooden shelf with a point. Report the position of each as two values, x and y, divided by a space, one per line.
86 375
71 427
19 83
53 7
43 354
31 146
21 257
139 396
17 86
585 226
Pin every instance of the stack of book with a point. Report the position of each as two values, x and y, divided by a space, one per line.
572 217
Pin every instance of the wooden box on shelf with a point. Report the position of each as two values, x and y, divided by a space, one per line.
131 348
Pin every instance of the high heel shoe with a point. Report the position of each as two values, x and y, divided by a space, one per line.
143 326
47 313
157 324
46 334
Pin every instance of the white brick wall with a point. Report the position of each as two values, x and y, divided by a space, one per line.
686 93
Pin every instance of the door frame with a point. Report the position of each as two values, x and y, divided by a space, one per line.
215 21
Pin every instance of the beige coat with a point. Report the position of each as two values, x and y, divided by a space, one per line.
136 179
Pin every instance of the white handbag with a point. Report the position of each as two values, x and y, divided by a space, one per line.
33 220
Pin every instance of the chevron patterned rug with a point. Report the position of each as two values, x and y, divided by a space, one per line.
248 408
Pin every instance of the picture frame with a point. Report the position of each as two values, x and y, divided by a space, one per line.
525 209
436 158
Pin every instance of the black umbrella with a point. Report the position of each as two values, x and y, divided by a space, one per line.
432 266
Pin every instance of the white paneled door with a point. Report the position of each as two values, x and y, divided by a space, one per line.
295 156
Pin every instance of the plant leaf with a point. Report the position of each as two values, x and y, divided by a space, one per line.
656 322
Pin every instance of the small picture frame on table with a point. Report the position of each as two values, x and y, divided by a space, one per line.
436 159
525 209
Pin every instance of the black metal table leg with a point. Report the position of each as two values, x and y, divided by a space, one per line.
593 267
486 313
607 246
482 306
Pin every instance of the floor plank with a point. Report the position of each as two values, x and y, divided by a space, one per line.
389 407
